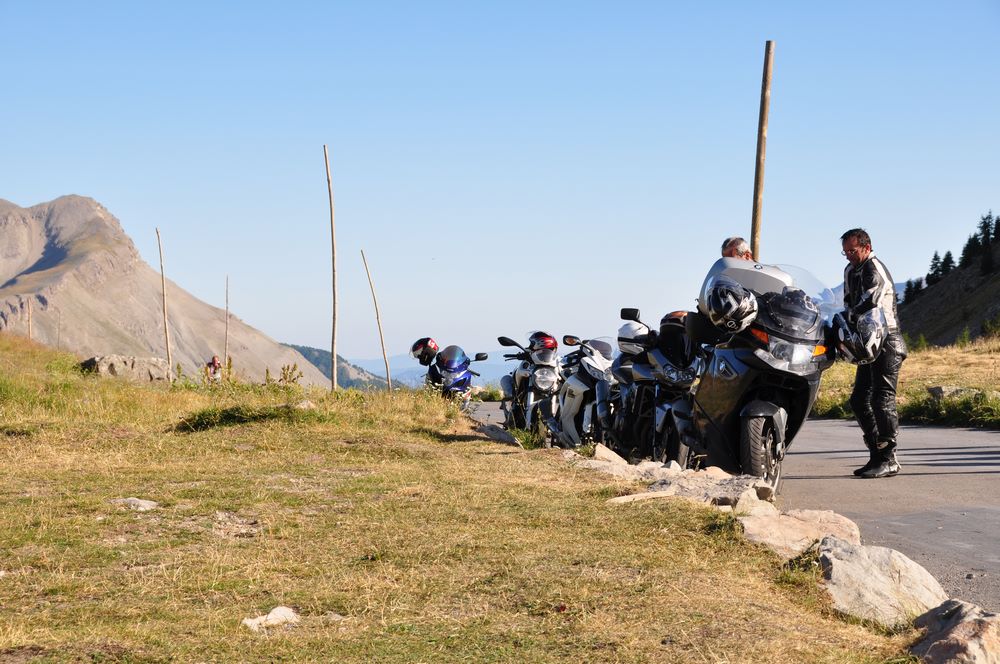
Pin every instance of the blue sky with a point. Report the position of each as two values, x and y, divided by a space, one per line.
505 166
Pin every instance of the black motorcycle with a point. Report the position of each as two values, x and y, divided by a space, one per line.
758 385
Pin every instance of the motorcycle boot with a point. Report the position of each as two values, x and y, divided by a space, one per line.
873 457
888 466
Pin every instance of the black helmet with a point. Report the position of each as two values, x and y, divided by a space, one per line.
862 344
424 350
731 307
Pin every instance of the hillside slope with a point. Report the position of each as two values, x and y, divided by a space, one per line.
92 293
963 298
348 375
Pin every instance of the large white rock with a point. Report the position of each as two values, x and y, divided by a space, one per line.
141 369
499 434
791 534
958 632
137 504
875 583
603 453
280 615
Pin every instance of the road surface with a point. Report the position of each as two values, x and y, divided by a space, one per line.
942 510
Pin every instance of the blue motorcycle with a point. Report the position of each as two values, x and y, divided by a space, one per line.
448 370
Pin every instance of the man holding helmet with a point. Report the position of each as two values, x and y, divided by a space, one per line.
868 335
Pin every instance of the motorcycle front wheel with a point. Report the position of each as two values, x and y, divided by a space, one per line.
758 450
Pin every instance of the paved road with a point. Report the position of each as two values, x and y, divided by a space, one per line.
942 510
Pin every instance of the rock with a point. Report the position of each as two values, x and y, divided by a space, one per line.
280 615
764 490
748 504
941 392
640 497
673 465
707 488
142 369
498 434
305 404
958 632
716 473
875 583
793 533
137 504
602 453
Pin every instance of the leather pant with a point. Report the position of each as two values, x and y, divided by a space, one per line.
874 397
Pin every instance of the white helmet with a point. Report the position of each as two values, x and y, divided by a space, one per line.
630 330
861 345
731 307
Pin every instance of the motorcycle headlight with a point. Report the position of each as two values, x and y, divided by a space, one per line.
597 373
545 379
797 355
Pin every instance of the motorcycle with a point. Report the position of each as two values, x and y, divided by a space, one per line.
585 393
450 373
533 381
759 384
655 373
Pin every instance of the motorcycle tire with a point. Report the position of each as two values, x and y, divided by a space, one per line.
757 453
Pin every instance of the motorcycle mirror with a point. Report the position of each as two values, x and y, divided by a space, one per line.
507 341
570 340
482 356
630 313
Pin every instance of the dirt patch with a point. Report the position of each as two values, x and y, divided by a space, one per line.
234 526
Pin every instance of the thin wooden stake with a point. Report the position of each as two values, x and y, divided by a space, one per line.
225 360
378 321
166 328
333 254
29 319
758 178
59 330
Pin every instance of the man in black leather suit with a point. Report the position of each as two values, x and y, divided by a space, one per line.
867 285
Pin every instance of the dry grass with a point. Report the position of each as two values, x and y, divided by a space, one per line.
976 365
397 533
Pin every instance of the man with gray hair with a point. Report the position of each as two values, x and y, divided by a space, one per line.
736 247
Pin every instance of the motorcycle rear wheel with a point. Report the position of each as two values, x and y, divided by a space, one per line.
758 450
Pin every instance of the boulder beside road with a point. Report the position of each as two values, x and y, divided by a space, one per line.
140 369
958 632
792 533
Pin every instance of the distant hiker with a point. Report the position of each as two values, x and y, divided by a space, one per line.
736 247
868 335
213 369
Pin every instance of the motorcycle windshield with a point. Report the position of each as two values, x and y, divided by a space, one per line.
545 357
448 378
603 346
452 358
800 310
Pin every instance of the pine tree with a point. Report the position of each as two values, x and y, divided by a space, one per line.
918 287
908 292
947 264
934 275
971 249
985 235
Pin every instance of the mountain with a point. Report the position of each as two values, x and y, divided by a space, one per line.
962 299
348 375
91 293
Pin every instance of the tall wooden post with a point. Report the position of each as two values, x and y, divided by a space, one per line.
758 178
378 321
29 319
333 253
166 328
225 355
59 330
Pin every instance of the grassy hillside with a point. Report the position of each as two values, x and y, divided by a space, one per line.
395 531
976 365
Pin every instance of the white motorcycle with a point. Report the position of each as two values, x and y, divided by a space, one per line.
585 391
533 383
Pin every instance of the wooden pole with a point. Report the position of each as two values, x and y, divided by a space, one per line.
225 356
333 254
59 330
758 178
378 321
29 319
166 328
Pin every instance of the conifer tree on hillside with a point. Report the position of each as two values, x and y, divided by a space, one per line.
971 249
908 292
934 274
986 239
947 264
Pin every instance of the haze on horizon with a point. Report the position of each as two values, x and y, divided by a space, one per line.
507 167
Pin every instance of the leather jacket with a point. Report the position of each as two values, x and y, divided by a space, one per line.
867 286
